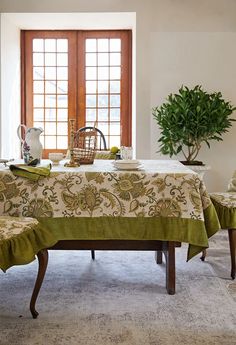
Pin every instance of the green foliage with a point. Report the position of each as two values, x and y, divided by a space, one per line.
190 118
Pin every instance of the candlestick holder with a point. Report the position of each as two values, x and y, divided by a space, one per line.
72 163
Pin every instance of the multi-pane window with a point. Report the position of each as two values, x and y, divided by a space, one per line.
103 86
84 75
50 91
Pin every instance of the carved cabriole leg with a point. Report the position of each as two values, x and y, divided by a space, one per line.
232 246
158 256
43 262
170 267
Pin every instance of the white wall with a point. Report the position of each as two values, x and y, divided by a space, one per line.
178 42
197 58
11 24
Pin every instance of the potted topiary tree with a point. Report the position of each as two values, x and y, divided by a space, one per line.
189 118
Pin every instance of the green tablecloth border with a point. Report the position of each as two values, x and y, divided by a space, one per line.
226 215
21 249
192 231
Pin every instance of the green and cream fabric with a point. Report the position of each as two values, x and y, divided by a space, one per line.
164 200
14 226
32 173
105 194
20 239
225 205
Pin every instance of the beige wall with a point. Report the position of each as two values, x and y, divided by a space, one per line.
178 42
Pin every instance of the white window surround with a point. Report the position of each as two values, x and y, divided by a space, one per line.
11 24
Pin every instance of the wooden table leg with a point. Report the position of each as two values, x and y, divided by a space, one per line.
170 268
204 252
93 254
158 256
43 262
232 246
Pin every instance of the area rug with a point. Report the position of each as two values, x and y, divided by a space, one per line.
120 298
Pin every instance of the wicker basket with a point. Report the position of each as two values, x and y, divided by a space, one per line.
84 150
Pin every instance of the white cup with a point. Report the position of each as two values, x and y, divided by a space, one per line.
126 152
55 157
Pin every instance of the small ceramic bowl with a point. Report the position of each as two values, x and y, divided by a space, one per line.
55 157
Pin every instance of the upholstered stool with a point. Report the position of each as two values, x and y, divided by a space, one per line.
225 205
20 240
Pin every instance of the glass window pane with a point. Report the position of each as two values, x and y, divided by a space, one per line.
114 86
38 115
62 45
115 128
50 45
50 73
91 59
62 73
50 59
114 141
50 86
103 86
91 100
102 114
103 127
91 45
102 100
103 72
91 73
50 142
38 59
62 59
62 87
50 114
115 59
38 87
91 115
91 87
62 128
62 101
38 73
50 101
114 72
89 124
50 128
103 59
103 45
115 114
38 45
115 44
114 100
39 124
38 101
62 114
62 142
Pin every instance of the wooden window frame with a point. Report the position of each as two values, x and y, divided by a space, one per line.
76 76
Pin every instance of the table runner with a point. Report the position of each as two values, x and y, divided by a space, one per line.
163 200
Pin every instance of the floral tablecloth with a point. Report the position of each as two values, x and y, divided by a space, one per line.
163 200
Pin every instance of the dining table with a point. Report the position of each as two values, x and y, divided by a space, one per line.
156 206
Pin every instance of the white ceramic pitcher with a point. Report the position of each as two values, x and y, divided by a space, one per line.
31 146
